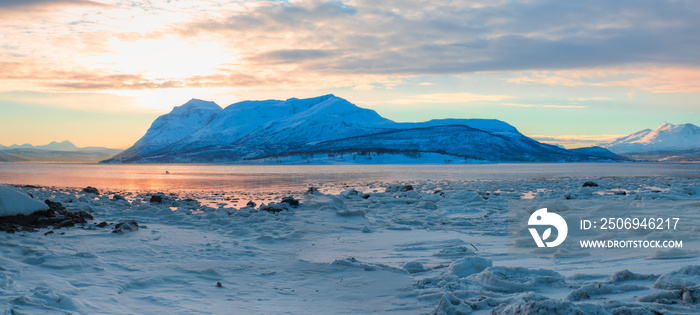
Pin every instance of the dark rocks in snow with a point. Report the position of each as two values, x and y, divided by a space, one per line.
85 216
219 285
290 201
65 223
53 206
274 207
118 197
285 204
91 190
313 191
269 209
620 193
126 226
439 193
102 224
251 204
56 216
158 198
589 184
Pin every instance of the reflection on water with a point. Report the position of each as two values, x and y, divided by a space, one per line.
274 178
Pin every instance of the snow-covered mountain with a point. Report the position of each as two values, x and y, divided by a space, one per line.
667 137
182 122
64 151
53 146
282 124
59 146
327 126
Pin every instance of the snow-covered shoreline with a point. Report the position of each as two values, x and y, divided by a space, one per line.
348 247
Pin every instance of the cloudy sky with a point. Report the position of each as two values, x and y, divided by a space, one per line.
97 72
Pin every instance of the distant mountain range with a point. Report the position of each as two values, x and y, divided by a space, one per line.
55 152
329 129
668 142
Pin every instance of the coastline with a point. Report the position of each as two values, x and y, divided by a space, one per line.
395 248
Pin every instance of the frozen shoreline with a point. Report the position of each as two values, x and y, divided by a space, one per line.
355 248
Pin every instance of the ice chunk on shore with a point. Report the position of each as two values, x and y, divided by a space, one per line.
352 262
451 304
467 196
14 202
469 265
551 307
682 278
350 193
518 279
414 267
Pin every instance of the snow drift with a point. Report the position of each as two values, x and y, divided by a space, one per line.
14 202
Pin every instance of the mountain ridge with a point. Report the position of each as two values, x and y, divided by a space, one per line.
326 125
659 144
64 151
64 145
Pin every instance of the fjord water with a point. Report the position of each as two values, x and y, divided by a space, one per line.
275 178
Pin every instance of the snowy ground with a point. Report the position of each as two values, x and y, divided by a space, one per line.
363 248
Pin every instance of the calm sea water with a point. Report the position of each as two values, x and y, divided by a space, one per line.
297 177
